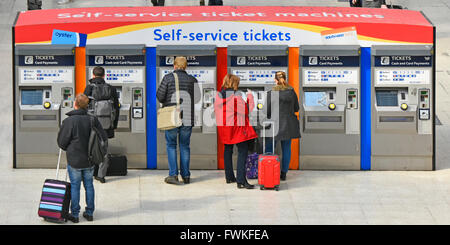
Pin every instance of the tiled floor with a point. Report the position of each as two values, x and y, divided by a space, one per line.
308 197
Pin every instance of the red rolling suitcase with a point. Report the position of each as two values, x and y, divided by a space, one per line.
269 167
55 198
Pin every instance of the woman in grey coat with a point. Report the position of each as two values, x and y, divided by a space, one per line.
281 106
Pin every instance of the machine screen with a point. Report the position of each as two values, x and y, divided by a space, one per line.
31 97
387 98
315 98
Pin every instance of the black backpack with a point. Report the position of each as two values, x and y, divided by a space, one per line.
98 148
102 105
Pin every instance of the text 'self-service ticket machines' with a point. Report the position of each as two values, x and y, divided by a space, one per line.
201 64
125 70
402 108
44 93
330 107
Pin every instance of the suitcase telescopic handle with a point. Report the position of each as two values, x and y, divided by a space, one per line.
273 137
57 166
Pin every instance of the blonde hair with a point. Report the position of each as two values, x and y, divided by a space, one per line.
180 62
280 76
82 101
231 81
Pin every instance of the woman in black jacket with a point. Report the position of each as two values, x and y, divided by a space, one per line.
282 104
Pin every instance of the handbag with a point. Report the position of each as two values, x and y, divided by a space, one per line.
169 117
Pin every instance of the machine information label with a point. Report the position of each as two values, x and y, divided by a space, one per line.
403 76
403 60
277 61
330 76
266 76
45 75
116 60
46 60
330 61
123 75
205 76
192 60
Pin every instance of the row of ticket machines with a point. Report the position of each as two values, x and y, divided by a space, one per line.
329 98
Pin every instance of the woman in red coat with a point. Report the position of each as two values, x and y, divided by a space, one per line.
233 127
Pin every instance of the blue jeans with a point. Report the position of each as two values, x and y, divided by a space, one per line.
286 152
76 176
184 133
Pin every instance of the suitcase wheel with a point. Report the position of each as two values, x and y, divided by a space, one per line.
261 187
276 188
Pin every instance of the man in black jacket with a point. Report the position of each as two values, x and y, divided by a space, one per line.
98 80
189 95
73 137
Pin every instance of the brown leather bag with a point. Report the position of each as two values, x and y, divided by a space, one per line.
169 117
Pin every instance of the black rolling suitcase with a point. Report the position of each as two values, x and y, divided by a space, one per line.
117 166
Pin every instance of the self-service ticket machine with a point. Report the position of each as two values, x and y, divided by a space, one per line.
402 107
44 93
330 107
202 62
256 67
125 70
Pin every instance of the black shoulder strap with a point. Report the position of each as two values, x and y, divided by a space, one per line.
92 119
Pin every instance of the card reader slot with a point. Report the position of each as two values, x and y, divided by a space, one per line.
39 117
395 119
332 119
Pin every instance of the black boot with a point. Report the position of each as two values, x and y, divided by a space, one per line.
88 217
229 181
283 175
73 219
102 180
186 180
245 185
